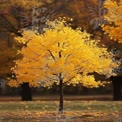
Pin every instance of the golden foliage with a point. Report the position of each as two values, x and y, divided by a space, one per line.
114 17
61 53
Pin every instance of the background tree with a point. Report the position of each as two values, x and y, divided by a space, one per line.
60 55
14 16
114 17
113 29
10 24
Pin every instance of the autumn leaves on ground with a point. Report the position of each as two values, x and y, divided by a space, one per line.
74 111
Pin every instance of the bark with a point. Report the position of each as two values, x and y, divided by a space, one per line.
117 88
26 92
61 96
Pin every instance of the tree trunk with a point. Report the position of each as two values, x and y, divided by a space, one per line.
26 93
117 87
61 96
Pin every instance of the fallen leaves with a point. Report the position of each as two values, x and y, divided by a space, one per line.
55 115
46 111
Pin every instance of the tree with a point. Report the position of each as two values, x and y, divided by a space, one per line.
60 55
14 16
113 29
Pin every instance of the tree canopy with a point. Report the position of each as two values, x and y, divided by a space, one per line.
60 53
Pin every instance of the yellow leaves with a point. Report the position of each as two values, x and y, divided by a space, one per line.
89 81
34 84
110 3
28 35
113 8
60 50
114 32
21 40
114 17
13 83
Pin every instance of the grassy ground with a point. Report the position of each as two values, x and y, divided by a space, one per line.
56 97
74 111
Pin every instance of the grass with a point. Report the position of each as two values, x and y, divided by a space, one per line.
74 111
56 97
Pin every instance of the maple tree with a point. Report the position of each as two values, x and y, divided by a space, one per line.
60 55
114 17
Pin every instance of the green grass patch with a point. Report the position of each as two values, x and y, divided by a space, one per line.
74 111
68 105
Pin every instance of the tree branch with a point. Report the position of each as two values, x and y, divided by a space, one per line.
8 25
51 54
